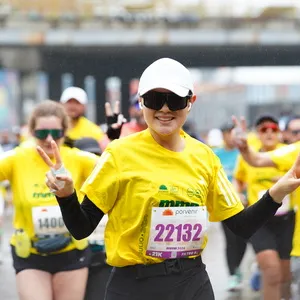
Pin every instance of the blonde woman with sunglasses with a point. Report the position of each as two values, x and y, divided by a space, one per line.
49 262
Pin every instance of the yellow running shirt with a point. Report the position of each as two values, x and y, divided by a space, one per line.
258 180
85 128
284 158
26 170
153 197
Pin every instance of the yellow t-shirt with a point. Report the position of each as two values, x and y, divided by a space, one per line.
85 128
284 158
26 170
258 180
136 174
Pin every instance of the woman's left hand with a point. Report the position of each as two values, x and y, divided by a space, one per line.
287 184
58 179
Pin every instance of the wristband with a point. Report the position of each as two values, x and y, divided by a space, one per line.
61 171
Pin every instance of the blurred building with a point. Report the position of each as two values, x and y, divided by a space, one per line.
51 44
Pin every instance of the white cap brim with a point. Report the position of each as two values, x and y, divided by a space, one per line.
74 93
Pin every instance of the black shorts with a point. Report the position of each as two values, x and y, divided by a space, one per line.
276 234
172 279
67 261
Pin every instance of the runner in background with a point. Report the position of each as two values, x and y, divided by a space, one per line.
235 245
272 243
282 158
49 262
292 133
75 100
136 122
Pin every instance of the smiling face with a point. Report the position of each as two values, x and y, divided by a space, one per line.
165 122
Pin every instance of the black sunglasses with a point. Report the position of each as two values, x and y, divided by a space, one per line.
156 100
42 134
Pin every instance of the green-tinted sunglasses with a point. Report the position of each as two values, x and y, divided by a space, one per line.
42 134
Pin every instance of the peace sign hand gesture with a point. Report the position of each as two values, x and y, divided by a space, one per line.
239 133
114 120
58 179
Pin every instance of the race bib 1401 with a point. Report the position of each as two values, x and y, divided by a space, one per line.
48 220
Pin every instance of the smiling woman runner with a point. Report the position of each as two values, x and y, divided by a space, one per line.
157 187
49 263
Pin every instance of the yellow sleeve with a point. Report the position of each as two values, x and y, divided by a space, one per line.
88 162
222 200
99 134
102 186
6 165
284 157
95 131
240 170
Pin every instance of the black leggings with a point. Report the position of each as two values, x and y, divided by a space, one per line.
235 249
190 284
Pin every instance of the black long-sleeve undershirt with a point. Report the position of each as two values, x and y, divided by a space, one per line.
82 219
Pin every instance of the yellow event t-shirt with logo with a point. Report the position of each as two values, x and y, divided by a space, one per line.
26 171
284 158
139 183
85 128
258 180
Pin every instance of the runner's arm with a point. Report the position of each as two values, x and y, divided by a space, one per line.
256 159
249 220
80 219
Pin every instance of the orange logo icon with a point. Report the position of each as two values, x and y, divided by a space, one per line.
168 212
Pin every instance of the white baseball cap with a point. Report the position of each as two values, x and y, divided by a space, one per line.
73 92
168 74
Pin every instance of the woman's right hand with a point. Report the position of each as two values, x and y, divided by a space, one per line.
58 179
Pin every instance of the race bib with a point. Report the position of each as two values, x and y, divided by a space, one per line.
176 232
284 208
97 237
47 220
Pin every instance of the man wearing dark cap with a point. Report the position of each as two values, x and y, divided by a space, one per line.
272 243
